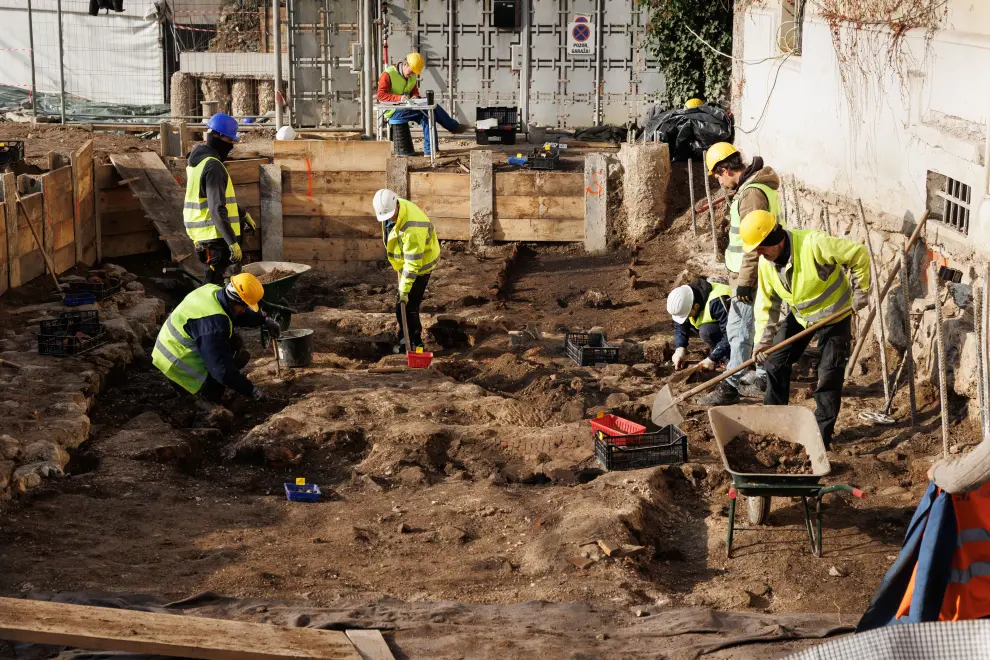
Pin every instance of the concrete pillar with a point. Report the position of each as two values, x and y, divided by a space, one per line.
243 98
482 199
397 176
215 89
266 96
595 203
183 95
271 212
644 189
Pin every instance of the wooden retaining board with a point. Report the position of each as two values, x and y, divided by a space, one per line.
59 218
31 261
84 196
130 631
4 270
332 156
124 227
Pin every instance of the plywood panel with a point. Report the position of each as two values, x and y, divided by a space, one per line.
327 205
65 257
82 191
333 182
557 184
446 184
452 229
245 171
31 262
332 156
248 195
125 222
332 249
123 245
301 226
539 229
563 208
119 198
447 207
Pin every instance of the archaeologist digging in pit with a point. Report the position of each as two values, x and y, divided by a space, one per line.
210 213
414 251
817 275
197 348
704 306
400 83
756 189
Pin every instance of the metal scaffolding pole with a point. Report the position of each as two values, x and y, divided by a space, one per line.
34 91
367 70
61 63
524 40
277 47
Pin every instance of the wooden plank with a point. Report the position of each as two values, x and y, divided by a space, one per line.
553 184
105 176
332 182
162 199
539 229
4 274
452 229
63 234
247 195
138 242
65 258
370 644
447 207
351 205
332 156
332 249
125 222
8 193
32 262
57 188
81 161
104 628
559 208
270 214
118 199
245 171
444 184
303 226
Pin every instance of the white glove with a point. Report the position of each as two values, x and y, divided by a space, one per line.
707 364
678 358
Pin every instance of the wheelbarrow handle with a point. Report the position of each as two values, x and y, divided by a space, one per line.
844 488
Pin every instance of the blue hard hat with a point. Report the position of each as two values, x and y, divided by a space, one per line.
224 125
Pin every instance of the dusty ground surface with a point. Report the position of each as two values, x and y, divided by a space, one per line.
474 482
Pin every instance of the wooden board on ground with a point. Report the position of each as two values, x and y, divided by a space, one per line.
370 644
103 628
162 199
330 156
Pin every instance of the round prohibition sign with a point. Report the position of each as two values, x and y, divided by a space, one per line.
581 32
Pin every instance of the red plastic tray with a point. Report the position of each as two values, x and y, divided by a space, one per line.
614 429
419 360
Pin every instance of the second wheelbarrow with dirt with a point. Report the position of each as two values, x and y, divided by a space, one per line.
791 424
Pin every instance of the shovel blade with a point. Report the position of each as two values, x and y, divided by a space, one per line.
664 410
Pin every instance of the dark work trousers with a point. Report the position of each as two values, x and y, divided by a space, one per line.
412 312
213 389
833 340
711 334
215 256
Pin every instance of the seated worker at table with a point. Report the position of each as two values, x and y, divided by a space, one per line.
704 306
399 83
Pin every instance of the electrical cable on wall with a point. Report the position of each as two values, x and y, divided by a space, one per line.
766 105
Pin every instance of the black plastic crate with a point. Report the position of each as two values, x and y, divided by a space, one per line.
666 446
505 132
11 152
579 347
71 333
100 290
544 160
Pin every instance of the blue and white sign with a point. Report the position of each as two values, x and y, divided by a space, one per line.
581 36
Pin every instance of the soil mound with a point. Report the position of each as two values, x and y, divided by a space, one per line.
748 452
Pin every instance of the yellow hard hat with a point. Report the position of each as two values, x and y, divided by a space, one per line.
248 288
693 103
416 62
755 227
717 153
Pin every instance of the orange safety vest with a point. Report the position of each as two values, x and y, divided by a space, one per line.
967 595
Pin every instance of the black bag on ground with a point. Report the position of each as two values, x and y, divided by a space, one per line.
690 131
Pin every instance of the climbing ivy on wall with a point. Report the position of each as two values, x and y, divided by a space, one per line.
690 67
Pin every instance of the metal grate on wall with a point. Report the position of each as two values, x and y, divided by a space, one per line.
956 198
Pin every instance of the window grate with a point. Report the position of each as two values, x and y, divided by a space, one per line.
956 198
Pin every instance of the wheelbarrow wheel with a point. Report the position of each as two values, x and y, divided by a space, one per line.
758 509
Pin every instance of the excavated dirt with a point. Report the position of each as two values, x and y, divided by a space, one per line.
274 274
755 454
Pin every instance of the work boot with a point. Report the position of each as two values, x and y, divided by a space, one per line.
723 395
754 389
461 128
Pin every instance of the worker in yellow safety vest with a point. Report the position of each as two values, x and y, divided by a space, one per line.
210 213
399 83
704 306
197 348
413 249
756 188
817 275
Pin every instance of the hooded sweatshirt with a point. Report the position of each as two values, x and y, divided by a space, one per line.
753 199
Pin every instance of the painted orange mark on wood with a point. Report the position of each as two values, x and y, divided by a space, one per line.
309 179
596 187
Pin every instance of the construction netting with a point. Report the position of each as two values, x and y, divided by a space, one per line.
956 640
17 102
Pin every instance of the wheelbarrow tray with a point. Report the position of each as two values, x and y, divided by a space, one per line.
790 423
277 290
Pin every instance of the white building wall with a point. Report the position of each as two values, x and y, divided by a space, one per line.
882 154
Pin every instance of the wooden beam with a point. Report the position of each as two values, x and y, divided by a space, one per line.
8 195
560 208
370 644
333 249
319 183
441 184
104 628
539 229
246 170
270 215
4 258
81 161
247 195
555 184
332 156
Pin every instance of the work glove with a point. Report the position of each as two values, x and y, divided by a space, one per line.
271 325
707 364
678 358
404 297
235 253
861 300
746 294
258 394
252 226
760 353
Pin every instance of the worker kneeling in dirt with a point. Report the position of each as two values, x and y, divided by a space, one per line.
704 306
210 212
817 275
414 251
197 348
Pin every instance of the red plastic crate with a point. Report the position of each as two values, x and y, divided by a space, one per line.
613 428
419 360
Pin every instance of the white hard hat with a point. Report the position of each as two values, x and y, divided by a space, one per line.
286 133
679 303
385 203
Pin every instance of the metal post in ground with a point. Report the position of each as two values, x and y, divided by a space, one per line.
277 48
908 353
711 208
34 91
874 276
981 392
797 203
694 219
985 366
61 63
943 389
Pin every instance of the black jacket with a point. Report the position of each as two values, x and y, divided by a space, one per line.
213 186
719 309
214 344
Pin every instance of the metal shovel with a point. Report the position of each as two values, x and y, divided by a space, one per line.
665 409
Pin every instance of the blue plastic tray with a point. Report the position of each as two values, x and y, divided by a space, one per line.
307 493
76 299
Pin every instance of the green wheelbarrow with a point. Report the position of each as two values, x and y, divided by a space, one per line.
790 423
274 302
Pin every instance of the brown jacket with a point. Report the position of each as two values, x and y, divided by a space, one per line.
753 199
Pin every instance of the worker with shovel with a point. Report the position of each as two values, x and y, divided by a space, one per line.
703 306
197 348
210 212
756 189
414 251
818 276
